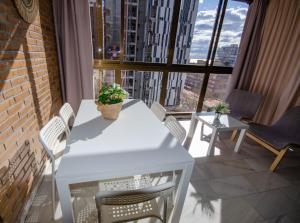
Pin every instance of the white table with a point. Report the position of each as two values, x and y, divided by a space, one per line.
225 123
136 143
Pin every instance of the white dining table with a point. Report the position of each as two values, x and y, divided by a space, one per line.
136 143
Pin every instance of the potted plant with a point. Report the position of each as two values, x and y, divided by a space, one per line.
110 101
220 108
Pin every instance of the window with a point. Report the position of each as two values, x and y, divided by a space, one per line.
180 53
142 85
195 29
230 37
216 90
183 91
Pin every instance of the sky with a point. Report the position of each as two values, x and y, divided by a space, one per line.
231 30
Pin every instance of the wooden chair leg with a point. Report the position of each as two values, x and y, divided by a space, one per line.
278 159
233 136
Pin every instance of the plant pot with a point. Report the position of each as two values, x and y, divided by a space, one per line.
110 112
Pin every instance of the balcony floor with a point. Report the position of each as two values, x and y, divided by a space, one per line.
227 187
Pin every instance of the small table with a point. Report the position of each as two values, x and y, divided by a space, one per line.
225 123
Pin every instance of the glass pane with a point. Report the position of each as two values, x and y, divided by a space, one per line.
183 92
216 90
231 33
142 85
195 27
147 29
93 14
101 77
112 27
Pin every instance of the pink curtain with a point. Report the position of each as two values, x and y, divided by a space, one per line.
74 43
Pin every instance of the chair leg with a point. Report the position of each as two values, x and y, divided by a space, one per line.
233 136
165 210
278 159
174 192
53 189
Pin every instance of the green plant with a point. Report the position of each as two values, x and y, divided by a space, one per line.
221 107
111 94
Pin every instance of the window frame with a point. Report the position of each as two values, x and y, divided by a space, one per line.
165 68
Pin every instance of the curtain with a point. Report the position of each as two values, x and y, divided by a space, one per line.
74 43
249 46
277 72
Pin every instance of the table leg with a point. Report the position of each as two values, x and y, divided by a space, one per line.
202 131
240 140
181 192
193 125
65 200
213 138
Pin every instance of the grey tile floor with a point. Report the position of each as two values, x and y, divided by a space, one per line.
225 188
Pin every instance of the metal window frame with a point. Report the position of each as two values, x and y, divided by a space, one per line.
166 68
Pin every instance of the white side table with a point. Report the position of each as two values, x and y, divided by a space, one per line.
225 123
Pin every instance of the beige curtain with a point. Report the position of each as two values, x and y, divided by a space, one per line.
277 72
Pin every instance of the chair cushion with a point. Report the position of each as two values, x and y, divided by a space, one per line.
270 136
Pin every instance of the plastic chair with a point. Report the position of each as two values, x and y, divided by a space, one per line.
159 111
175 128
133 204
53 138
68 116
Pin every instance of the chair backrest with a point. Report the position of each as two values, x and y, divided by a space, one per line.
175 128
67 114
51 134
159 111
289 123
243 103
134 196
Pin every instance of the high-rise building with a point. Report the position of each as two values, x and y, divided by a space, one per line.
228 54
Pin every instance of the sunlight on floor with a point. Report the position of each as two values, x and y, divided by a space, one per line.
198 207
198 147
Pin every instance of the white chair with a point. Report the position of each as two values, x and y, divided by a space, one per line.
159 111
68 116
178 132
175 128
131 204
53 138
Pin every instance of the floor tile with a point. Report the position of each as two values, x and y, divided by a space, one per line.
259 164
225 168
264 181
232 186
238 210
272 203
292 192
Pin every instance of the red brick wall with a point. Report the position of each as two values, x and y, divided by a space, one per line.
29 96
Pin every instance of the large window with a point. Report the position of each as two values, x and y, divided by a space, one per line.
180 53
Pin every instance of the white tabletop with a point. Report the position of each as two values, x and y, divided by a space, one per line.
226 121
136 140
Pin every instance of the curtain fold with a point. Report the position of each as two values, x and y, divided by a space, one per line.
277 72
249 46
74 43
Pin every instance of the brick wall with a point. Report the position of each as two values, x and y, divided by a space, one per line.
29 96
